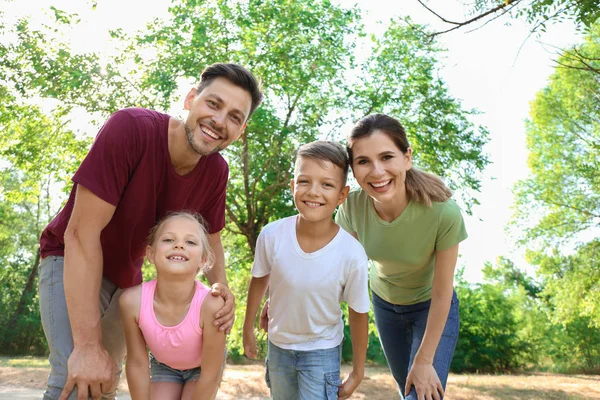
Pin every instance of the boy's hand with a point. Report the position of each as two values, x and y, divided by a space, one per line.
349 385
250 347
264 317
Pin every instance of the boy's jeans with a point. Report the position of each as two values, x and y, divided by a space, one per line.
57 327
303 375
401 329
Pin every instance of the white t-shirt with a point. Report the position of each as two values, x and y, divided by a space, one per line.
306 289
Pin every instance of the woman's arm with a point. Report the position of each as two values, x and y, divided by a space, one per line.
422 374
137 364
213 350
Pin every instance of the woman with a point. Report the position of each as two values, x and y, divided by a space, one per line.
410 228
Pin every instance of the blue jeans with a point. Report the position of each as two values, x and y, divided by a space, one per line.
303 375
55 321
401 330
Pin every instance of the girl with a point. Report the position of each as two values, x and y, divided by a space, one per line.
173 317
410 229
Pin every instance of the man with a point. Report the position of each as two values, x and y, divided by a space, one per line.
142 165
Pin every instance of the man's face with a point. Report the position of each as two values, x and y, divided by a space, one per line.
217 116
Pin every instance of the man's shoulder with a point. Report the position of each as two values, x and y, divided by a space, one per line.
136 112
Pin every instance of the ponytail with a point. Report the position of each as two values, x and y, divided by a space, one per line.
426 188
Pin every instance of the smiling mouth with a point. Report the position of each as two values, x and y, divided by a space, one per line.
312 204
208 132
177 258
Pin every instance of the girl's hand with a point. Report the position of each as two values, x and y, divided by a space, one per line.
226 315
349 385
250 347
426 382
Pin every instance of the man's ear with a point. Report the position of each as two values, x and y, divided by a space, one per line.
189 98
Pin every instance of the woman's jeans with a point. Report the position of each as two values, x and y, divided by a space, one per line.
303 375
401 330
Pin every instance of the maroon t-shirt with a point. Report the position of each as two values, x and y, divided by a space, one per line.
129 167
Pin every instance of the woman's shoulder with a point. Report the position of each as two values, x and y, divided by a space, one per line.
357 198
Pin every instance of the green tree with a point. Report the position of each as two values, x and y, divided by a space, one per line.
539 13
559 204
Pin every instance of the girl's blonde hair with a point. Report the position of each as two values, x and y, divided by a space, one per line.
207 253
423 187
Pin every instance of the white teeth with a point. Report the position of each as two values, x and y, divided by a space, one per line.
210 133
378 185
177 258
310 204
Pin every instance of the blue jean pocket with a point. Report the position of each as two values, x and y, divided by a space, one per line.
332 384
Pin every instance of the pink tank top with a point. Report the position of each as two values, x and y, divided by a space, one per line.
178 346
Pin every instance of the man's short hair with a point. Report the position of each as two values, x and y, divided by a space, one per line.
237 75
326 150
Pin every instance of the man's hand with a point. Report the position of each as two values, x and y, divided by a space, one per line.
349 385
225 317
90 369
264 317
426 382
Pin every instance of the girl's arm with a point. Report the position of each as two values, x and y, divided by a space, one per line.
359 332
422 374
256 292
137 364
213 350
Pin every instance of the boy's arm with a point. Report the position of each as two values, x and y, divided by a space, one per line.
256 292
359 331
213 351
137 364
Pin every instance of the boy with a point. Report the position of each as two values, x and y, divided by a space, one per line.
310 265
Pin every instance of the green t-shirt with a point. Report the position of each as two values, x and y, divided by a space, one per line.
402 252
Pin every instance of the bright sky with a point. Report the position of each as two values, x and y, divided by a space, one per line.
496 70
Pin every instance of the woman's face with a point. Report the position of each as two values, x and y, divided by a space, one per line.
379 166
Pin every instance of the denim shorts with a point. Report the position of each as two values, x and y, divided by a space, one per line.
303 375
160 372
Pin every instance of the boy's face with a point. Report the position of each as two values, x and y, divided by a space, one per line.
318 189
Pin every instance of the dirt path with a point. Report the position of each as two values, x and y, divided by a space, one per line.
246 382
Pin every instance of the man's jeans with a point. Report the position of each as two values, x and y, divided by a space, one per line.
57 327
303 375
401 330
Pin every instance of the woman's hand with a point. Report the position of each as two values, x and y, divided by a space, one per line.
425 380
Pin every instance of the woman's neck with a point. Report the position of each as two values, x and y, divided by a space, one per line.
392 209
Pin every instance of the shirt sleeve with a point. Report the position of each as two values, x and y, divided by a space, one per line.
261 266
451 229
108 166
356 289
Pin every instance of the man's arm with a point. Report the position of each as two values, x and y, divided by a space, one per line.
89 366
225 317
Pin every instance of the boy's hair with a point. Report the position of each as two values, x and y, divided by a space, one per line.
237 75
325 150
207 252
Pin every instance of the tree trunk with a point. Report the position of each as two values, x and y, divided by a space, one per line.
12 323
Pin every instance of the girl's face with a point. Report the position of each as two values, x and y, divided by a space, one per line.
379 166
177 248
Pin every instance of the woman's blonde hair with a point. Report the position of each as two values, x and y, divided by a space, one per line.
207 253
423 187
